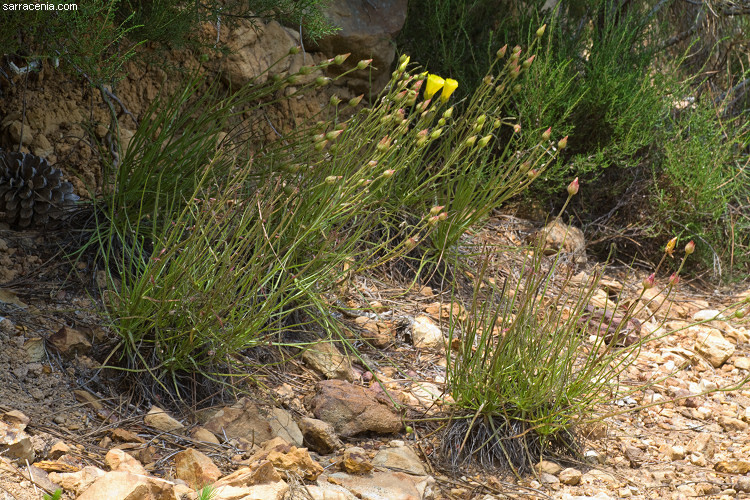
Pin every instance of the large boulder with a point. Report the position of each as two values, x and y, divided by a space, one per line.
367 30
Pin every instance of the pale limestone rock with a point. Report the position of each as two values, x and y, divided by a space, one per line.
266 491
284 426
160 420
119 485
548 467
400 457
118 460
570 476
426 334
77 482
712 345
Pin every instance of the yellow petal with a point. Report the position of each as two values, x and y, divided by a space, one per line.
434 83
448 88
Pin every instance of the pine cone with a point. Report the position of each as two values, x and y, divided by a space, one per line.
32 190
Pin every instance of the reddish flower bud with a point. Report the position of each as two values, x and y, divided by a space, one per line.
502 51
674 279
436 209
354 101
547 134
563 143
649 282
517 128
690 247
527 63
540 31
364 63
573 187
339 59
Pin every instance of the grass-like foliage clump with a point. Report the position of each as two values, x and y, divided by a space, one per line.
536 357
212 249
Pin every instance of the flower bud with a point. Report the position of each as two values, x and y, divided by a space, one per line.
332 179
448 113
497 123
321 80
442 215
690 247
339 59
436 133
319 137
441 122
292 79
649 282
515 71
384 144
532 174
481 119
674 279
501 51
669 249
547 134
276 78
516 88
410 243
436 209
294 50
433 220
527 63
540 31
388 173
470 141
364 63
335 101
739 314
562 143
516 128
372 163
320 145
484 141
306 70
403 62
573 187
422 136
333 134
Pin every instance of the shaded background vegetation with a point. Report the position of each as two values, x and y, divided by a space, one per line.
654 95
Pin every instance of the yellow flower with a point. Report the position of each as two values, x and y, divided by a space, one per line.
448 88
434 83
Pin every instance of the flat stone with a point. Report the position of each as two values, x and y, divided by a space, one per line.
195 468
120 485
70 342
161 420
548 467
259 473
707 314
284 426
325 358
203 435
240 421
401 458
15 443
712 345
353 410
265 491
385 485
732 424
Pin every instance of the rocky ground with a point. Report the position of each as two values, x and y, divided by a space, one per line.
321 427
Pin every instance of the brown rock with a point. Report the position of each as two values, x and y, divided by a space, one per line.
319 436
733 467
548 467
634 455
559 236
161 420
355 461
367 31
703 443
390 485
88 399
284 426
119 485
352 410
204 435
260 473
35 351
118 460
570 476
289 458
70 342
426 334
265 491
732 424
240 421
58 449
195 468
124 436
